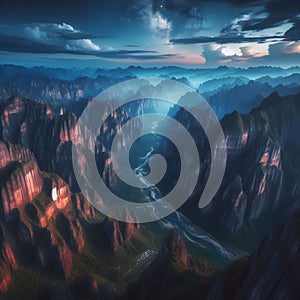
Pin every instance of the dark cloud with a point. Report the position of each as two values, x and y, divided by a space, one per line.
132 46
277 12
192 8
268 15
222 39
293 34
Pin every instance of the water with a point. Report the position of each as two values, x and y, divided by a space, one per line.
182 224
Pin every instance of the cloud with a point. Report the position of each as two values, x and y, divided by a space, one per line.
62 35
52 38
293 34
223 39
282 53
277 13
273 14
269 22
82 44
216 54
284 48
132 46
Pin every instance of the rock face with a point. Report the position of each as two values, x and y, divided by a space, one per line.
261 171
42 217
33 126
8 263
270 273
224 99
174 274
10 153
82 206
47 222
20 177
117 233
68 93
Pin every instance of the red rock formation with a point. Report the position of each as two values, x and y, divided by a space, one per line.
7 265
118 232
83 206
21 187
5 279
4 155
33 126
60 193
71 231
175 248
66 259
10 152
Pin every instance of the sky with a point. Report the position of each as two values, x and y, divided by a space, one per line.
119 33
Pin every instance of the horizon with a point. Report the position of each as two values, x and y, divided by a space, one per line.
153 67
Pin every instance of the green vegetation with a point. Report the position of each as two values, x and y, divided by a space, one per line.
25 282
6 172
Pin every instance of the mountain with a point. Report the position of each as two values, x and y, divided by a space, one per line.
57 93
268 273
49 235
55 245
49 232
173 265
222 87
213 85
243 96
35 127
292 79
262 172
33 204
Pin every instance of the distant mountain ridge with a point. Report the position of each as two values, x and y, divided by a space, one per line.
226 89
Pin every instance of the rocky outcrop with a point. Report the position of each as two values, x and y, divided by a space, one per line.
71 231
117 233
68 93
261 172
20 185
33 126
174 274
32 201
174 251
7 264
270 273
83 207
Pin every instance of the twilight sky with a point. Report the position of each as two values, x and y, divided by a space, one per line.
187 33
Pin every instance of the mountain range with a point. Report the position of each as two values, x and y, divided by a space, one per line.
244 245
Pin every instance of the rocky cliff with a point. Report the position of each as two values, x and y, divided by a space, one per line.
46 228
31 203
20 177
117 233
33 126
174 274
57 93
261 172
270 273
